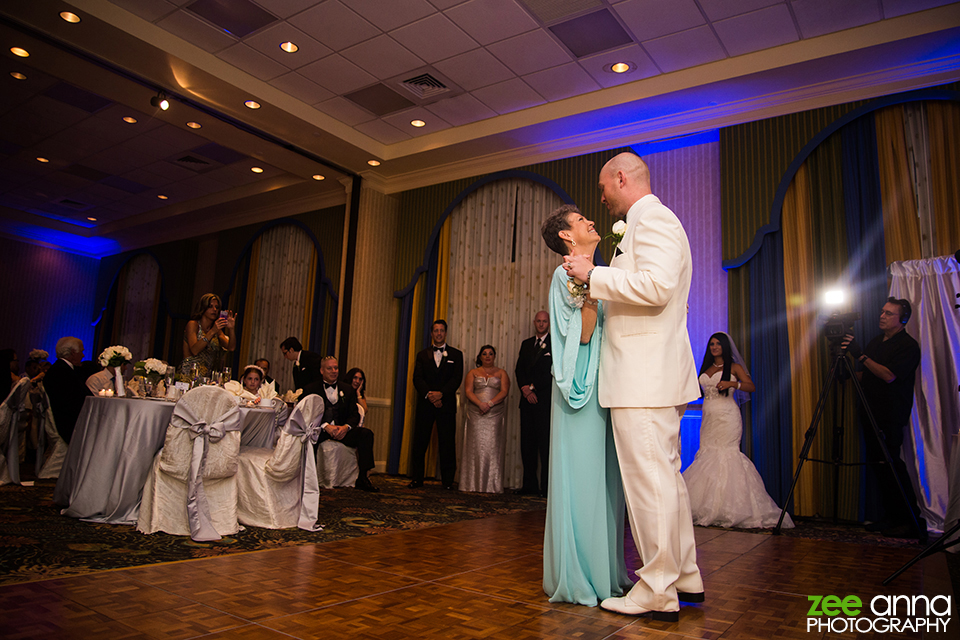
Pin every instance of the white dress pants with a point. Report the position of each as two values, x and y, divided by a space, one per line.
648 448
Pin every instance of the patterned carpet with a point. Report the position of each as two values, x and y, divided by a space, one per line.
36 542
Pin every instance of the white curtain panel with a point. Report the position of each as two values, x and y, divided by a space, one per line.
932 286
281 298
500 272
139 306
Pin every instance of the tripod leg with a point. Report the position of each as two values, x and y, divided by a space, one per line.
940 543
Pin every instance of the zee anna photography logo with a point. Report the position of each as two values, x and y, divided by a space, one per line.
887 614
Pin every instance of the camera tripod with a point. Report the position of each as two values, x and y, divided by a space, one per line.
840 369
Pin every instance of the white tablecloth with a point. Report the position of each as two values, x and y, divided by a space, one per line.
112 449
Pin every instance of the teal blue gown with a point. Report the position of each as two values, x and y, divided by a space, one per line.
583 541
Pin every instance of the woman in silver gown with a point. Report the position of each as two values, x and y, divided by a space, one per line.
484 441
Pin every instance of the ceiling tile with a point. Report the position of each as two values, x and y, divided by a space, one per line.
383 56
337 74
269 40
175 137
720 9
285 8
402 121
894 8
597 65
748 32
253 62
685 49
475 69
148 178
529 52
149 10
382 132
390 14
196 31
512 95
301 88
444 4
561 82
488 21
654 18
169 171
591 33
345 111
334 25
817 17
434 38
461 110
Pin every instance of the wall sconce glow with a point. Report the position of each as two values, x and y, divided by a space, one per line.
194 125
252 104
317 176
834 297
43 160
256 169
373 163
418 123
18 75
20 53
162 197
289 47
72 18
130 120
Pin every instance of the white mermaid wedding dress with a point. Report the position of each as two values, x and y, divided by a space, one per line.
724 487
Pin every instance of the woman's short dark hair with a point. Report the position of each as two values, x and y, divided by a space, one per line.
206 301
483 348
348 379
554 224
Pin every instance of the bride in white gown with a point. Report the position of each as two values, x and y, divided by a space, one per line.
724 486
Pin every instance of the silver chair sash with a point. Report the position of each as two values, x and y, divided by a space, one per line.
202 434
14 407
308 431
40 416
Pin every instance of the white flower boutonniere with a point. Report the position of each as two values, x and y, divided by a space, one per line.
341 394
444 354
617 231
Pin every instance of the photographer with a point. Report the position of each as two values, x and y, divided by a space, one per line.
889 363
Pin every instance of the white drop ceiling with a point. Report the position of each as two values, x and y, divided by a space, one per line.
516 93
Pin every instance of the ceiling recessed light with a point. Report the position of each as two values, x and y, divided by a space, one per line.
289 47
129 119
18 75
252 104
72 18
22 53
622 67
91 219
162 197
194 125
256 169
317 176
373 163
418 123
43 160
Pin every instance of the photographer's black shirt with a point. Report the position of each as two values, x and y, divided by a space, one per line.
891 402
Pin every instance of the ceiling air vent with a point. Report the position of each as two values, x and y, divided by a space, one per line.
72 204
424 86
193 163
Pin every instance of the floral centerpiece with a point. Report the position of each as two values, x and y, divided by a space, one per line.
152 369
116 357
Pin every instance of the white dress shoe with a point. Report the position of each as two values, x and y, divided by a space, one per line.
629 607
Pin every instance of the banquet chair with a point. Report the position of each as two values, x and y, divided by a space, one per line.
48 466
192 486
278 487
10 434
337 463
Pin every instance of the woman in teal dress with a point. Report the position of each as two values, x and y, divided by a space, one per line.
583 541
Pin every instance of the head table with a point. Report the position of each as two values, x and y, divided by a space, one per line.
112 449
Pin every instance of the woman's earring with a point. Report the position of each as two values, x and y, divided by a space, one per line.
574 242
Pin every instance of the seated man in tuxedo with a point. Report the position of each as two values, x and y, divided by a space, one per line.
65 387
341 418
306 364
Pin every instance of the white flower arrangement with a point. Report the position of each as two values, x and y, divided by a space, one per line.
115 356
617 231
152 365
39 354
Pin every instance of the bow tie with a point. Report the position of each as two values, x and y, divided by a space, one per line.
327 385
438 348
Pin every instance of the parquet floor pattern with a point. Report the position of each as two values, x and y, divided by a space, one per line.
468 580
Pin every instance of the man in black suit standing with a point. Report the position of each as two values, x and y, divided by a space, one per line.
341 418
437 374
536 385
65 387
306 364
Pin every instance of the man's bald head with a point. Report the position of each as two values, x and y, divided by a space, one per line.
624 179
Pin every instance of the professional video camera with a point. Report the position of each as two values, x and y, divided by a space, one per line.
837 325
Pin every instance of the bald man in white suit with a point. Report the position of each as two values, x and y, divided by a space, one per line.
647 377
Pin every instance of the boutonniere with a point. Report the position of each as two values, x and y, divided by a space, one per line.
444 353
617 230
341 394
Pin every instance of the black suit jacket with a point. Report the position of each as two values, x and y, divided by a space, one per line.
446 378
66 391
533 367
309 370
344 411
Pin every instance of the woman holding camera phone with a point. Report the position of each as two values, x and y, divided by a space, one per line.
207 336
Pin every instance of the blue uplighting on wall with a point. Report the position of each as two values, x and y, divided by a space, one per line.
94 247
659 146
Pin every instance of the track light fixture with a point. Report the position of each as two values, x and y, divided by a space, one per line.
160 101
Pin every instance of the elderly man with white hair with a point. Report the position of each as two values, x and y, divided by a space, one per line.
65 386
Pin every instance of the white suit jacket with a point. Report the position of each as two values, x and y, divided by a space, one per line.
645 357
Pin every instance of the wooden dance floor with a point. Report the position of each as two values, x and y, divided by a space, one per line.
471 579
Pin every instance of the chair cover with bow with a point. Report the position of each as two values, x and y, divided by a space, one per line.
48 438
10 411
337 463
278 487
192 486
